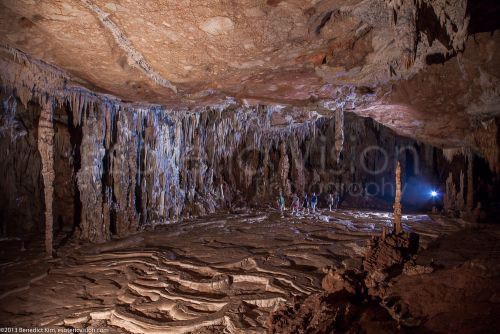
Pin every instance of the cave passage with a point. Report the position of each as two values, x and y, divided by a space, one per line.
272 166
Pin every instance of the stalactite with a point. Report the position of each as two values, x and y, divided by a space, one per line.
46 149
284 167
123 169
265 172
450 153
398 228
487 139
297 166
95 211
404 25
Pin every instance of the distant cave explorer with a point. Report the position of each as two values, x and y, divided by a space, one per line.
281 203
314 202
333 200
330 201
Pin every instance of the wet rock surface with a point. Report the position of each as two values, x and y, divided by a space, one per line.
148 141
461 293
224 271
400 291
333 312
385 259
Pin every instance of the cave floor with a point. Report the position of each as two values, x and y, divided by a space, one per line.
221 273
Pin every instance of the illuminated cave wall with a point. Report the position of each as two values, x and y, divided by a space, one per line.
118 168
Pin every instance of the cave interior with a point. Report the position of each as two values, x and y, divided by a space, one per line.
270 166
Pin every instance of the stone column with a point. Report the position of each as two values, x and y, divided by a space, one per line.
398 228
284 167
46 149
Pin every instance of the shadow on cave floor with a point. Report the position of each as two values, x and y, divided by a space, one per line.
224 271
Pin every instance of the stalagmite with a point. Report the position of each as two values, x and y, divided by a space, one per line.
460 195
197 170
397 202
448 192
453 199
46 149
284 167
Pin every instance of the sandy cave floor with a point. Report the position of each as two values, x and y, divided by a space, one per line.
222 273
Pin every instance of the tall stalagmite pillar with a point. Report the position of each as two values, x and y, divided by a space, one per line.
398 228
46 149
284 167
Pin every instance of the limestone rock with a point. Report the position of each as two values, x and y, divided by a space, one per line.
331 312
337 280
385 259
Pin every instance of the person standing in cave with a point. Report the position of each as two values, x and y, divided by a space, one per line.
336 199
295 204
314 201
305 205
331 201
281 203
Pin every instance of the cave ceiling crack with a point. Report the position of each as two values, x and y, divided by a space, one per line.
123 42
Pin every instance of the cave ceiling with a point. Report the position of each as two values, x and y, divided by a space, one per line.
428 69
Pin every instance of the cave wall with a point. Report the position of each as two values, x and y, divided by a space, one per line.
118 167
22 204
21 191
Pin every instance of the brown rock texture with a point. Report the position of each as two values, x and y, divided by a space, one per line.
120 167
331 312
154 138
427 69
134 163
385 259
398 228
46 149
461 294
337 280
450 286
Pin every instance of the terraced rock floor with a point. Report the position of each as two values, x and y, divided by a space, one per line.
221 274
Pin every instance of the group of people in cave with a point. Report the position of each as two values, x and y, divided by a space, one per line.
308 205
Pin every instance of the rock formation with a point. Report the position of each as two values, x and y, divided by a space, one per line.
385 259
351 298
361 56
46 149
398 227
327 313
122 117
133 165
